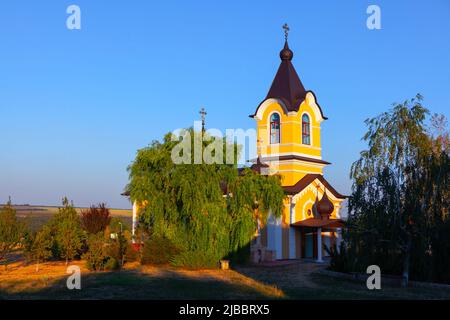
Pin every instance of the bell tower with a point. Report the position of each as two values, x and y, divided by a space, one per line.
289 123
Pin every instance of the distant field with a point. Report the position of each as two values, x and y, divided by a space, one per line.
36 216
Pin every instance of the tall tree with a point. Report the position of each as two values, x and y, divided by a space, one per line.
42 245
11 231
398 183
68 233
96 219
186 202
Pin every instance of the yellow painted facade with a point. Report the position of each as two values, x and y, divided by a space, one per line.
295 155
290 139
294 170
292 149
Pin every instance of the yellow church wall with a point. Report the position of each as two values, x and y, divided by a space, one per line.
302 204
307 200
291 132
292 171
286 147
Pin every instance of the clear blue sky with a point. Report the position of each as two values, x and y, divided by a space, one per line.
76 105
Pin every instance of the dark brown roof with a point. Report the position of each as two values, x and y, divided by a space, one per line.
286 85
307 180
317 222
125 194
295 157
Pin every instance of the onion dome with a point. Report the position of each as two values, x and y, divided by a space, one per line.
325 207
286 53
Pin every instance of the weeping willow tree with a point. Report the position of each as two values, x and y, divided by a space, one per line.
208 210
398 211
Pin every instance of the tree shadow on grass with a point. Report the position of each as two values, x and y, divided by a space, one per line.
302 280
132 284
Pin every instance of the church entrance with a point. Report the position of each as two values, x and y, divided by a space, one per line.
309 246
309 242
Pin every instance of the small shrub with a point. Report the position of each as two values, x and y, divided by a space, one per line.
117 248
158 250
118 225
95 219
132 253
96 255
112 264
340 260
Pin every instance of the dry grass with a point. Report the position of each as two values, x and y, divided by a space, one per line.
230 277
19 277
21 281
298 280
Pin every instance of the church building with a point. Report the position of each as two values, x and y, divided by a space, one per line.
288 124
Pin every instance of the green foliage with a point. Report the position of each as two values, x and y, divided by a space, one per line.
399 203
132 253
96 255
117 225
106 254
95 219
112 264
11 230
118 247
68 236
185 202
340 261
42 245
27 245
158 250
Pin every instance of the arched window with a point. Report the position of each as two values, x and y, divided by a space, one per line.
306 135
275 128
